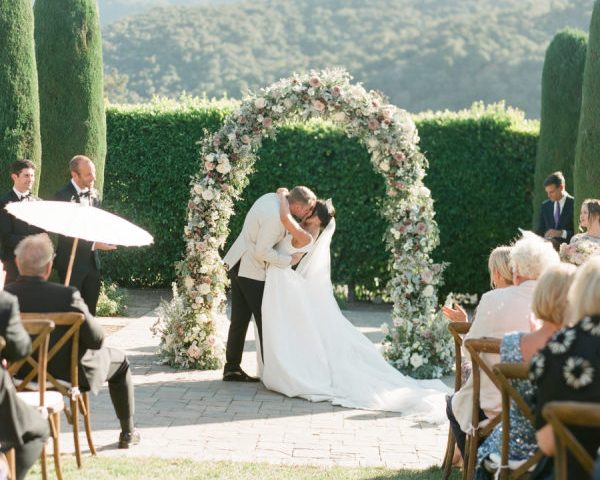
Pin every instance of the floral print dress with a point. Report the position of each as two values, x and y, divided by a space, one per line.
522 443
568 369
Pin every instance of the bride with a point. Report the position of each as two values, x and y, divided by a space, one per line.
311 350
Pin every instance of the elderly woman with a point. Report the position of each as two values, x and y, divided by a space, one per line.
501 311
550 306
568 368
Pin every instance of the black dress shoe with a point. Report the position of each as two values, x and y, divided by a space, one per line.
239 376
127 439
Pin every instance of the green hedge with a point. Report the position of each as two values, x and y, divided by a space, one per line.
481 166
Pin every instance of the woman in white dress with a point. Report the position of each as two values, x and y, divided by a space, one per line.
311 350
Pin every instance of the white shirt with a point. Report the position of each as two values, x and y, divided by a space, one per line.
561 205
21 194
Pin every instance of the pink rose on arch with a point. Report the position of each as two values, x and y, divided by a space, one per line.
421 227
318 105
427 276
392 193
399 157
245 139
315 82
242 120
267 122
373 124
224 188
436 267
402 229
205 279
400 186
209 166
200 246
336 91
216 141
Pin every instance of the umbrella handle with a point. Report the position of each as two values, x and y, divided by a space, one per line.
71 260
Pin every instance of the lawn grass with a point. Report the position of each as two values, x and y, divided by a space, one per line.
101 468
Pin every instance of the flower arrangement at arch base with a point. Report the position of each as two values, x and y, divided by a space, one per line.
188 325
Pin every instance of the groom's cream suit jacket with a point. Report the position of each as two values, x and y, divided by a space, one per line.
253 248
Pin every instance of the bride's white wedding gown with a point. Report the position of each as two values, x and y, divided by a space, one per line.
312 351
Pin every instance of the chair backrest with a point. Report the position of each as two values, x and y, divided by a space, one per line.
457 330
72 321
506 372
580 414
40 331
475 347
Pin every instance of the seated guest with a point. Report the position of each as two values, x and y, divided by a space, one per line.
21 426
97 363
500 311
568 368
549 306
500 277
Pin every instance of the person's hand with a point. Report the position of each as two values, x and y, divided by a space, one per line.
296 257
282 191
552 233
457 314
105 246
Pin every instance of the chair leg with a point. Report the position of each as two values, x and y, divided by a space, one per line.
55 425
11 460
447 464
43 464
471 456
75 425
85 411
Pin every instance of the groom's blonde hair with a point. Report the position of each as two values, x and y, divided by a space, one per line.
301 194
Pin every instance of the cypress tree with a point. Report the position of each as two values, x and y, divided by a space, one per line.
587 155
19 103
562 80
69 58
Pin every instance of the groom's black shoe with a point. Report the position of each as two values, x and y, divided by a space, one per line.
238 376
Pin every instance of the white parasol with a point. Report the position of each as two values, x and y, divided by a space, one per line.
80 221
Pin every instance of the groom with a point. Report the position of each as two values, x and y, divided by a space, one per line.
247 262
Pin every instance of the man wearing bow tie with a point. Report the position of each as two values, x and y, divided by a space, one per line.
13 230
85 275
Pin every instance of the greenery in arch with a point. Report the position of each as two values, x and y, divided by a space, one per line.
189 324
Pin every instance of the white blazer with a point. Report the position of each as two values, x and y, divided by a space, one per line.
253 248
500 311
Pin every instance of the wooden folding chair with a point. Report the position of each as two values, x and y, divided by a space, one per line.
580 414
506 372
50 403
457 330
79 401
475 347
10 454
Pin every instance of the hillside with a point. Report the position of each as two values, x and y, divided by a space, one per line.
431 54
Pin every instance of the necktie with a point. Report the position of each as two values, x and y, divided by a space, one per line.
84 194
556 214
25 197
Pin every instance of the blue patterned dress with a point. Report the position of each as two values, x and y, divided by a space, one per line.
522 443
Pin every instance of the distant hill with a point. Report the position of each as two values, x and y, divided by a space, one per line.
431 54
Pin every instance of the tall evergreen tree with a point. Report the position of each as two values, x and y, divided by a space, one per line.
19 102
69 58
587 155
562 80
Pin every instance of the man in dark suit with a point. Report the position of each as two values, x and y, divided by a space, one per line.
97 363
556 216
85 275
21 426
13 230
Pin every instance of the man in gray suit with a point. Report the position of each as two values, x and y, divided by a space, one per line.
247 262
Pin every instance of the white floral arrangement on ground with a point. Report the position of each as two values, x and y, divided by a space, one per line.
227 158
578 252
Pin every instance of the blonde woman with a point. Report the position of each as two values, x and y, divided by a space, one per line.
568 368
550 307
500 277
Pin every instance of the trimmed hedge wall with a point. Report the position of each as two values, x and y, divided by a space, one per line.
481 168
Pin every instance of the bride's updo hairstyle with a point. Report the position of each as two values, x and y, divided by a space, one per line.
325 211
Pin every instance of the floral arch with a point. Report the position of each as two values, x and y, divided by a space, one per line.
188 324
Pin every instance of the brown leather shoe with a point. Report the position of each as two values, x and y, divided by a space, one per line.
239 376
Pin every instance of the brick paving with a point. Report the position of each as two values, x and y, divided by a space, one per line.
194 414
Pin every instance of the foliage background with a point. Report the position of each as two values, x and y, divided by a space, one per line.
488 151
430 54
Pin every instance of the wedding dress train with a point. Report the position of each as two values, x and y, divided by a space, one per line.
312 351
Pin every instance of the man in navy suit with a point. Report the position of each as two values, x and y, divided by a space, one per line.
556 216
13 230
85 275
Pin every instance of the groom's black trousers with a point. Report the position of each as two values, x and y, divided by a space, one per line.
246 300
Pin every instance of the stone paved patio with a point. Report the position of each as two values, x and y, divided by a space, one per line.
194 414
